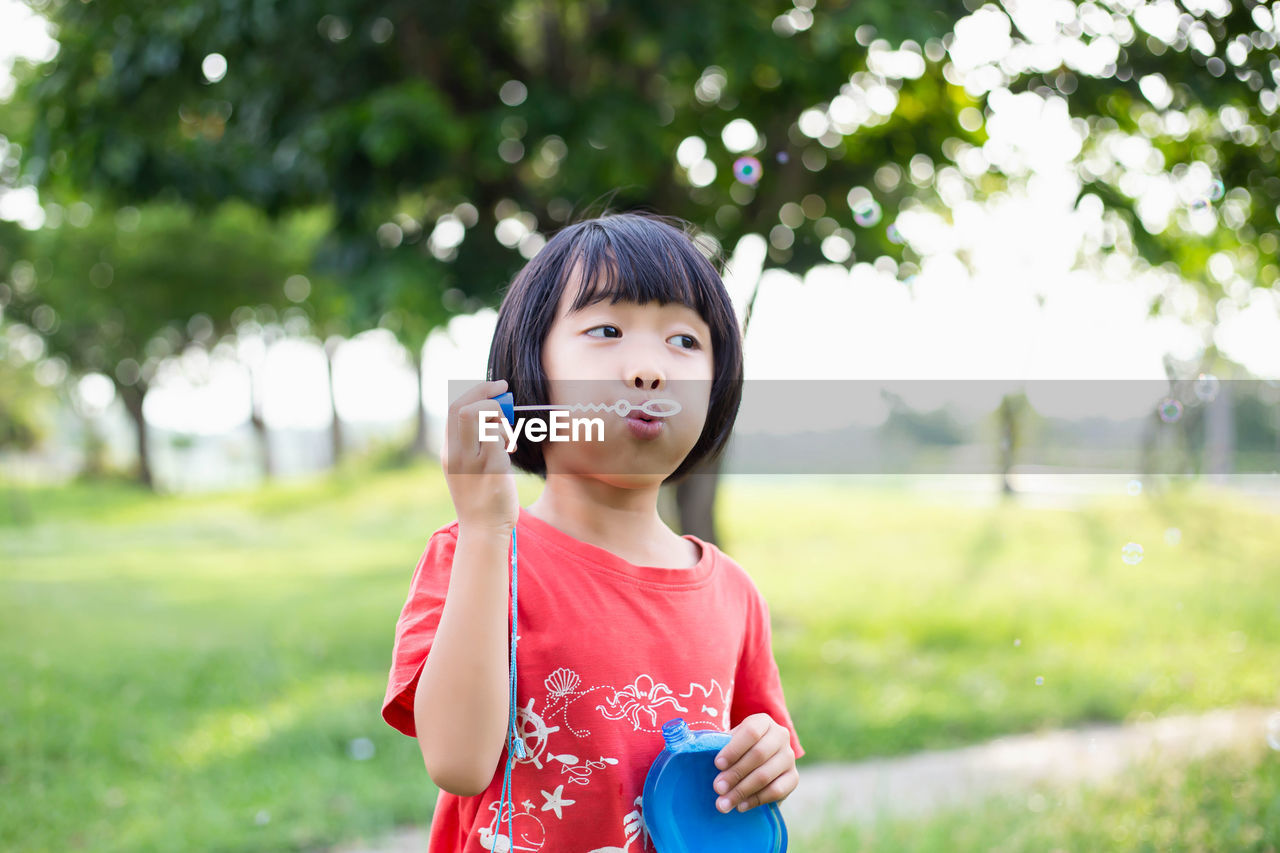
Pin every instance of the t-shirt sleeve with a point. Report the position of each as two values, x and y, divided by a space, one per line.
758 686
416 628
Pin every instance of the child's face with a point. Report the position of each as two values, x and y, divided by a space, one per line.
603 353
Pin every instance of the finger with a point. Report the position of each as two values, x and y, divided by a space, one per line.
479 391
495 421
743 737
753 772
469 427
754 758
776 791
494 458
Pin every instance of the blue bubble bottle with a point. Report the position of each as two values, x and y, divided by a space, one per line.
680 802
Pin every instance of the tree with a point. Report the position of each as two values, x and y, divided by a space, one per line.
115 294
478 126
449 138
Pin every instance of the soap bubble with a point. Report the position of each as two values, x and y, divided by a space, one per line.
782 157
1216 191
746 169
1199 204
1131 553
1206 387
1170 410
1039 681
1134 487
361 749
1018 641
1172 536
866 212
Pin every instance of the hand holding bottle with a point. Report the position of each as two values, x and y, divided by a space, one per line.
758 763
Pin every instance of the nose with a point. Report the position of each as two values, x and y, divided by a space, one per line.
647 380
643 364
645 374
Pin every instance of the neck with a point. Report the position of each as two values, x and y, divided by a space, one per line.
600 514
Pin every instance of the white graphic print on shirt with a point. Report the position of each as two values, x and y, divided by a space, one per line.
633 826
644 704
529 832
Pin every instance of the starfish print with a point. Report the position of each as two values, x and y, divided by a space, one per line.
528 806
555 802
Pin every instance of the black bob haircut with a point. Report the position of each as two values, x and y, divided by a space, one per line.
631 257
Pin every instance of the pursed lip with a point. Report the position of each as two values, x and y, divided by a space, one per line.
639 415
645 429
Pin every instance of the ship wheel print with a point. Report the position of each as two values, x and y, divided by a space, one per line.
533 731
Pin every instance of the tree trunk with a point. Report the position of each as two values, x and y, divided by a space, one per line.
95 449
1008 417
257 417
420 435
335 431
132 397
1219 434
696 500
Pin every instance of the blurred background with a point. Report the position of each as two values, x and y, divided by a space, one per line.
1024 255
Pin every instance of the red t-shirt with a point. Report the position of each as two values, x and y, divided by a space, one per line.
608 651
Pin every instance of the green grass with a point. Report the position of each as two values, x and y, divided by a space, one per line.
190 673
1230 801
901 625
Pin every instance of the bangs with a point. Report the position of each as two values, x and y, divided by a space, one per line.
648 266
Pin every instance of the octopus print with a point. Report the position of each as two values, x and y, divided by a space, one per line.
639 703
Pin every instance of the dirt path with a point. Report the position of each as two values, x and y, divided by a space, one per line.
920 783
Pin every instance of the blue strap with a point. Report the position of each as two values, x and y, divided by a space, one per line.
515 742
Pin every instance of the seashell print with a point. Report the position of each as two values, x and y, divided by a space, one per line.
562 682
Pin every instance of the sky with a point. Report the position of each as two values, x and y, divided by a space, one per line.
832 323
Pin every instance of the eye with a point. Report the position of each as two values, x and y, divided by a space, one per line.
615 328
693 342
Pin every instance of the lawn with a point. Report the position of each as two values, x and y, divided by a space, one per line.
206 672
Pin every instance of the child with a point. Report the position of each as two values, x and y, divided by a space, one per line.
622 624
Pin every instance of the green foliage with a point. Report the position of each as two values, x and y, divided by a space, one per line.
1219 120
25 405
378 107
127 284
385 121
